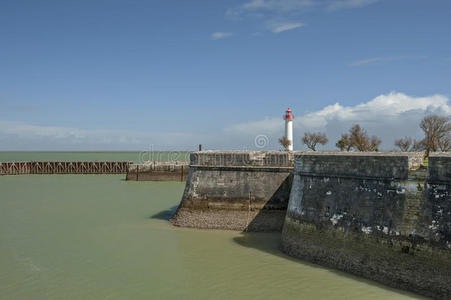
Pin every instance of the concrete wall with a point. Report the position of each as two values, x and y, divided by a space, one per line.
158 171
369 215
236 190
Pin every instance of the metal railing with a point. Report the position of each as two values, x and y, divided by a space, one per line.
62 167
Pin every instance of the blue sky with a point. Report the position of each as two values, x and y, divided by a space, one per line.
124 75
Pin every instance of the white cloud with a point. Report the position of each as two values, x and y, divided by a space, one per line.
280 27
373 60
220 35
295 6
286 10
346 4
367 61
281 6
389 116
278 5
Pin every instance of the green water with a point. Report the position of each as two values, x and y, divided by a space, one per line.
100 237
135 156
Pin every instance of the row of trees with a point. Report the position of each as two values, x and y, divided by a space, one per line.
357 139
437 137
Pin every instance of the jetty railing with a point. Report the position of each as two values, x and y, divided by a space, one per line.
63 167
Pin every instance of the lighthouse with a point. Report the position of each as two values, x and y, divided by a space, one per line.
289 128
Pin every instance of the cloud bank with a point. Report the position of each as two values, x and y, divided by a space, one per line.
389 116
23 136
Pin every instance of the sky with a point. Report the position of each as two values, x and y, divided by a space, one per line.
169 75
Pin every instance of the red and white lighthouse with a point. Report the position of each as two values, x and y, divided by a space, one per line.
289 128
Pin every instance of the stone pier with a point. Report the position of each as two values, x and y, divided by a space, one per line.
236 190
158 171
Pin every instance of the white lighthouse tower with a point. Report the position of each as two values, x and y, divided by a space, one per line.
289 128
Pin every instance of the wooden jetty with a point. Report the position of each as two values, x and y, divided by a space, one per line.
63 167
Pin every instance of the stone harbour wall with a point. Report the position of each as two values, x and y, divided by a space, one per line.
158 171
373 216
236 190
381 216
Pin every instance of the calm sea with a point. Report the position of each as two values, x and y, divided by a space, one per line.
100 237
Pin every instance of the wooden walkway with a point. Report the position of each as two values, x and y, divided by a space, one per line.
62 167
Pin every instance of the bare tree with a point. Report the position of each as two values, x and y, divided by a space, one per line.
436 130
374 144
445 143
312 139
418 145
344 144
285 142
358 140
404 144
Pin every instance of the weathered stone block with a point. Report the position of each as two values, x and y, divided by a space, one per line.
439 167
